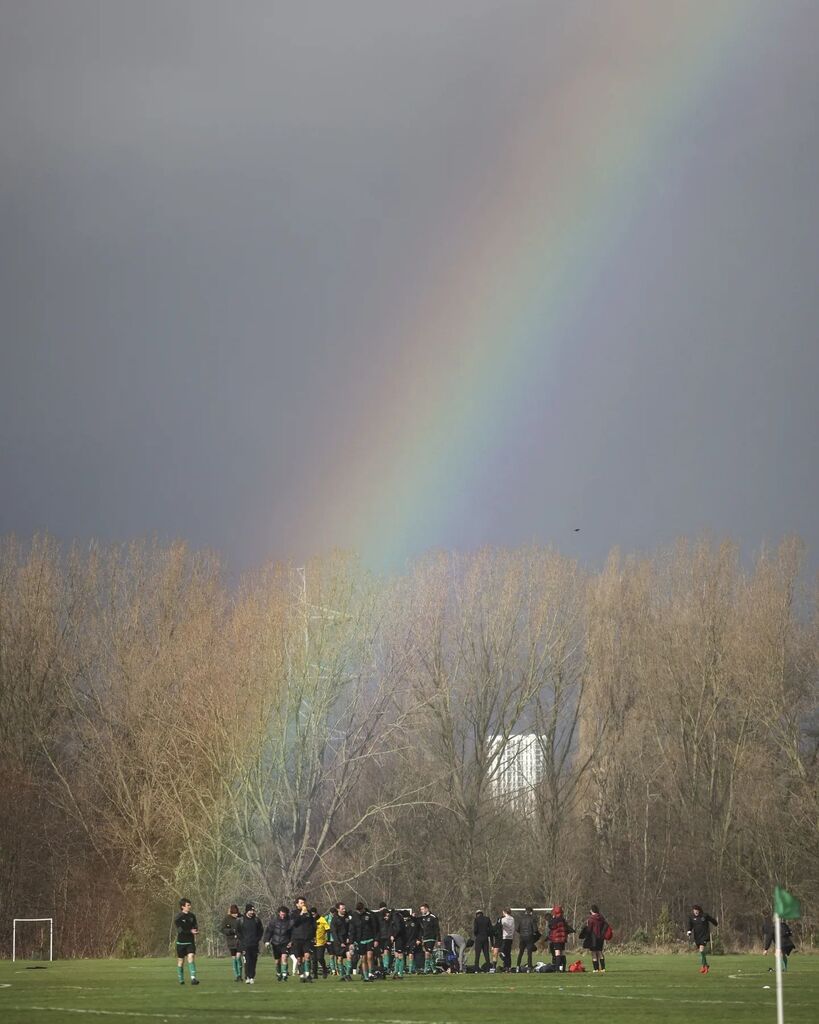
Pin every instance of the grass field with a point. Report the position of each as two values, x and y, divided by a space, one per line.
641 988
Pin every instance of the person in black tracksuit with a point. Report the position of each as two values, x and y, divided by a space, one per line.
302 936
699 928
529 934
277 938
248 935
481 931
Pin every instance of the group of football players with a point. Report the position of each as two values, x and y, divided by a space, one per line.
374 944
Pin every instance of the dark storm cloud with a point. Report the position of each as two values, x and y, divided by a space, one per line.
208 213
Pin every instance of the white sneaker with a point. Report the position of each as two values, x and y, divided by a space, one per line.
252 981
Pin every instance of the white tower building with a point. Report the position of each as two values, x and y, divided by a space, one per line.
517 766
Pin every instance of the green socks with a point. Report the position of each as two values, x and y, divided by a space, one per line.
180 973
192 970
703 959
237 967
399 966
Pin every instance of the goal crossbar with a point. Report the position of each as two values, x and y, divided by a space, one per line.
32 920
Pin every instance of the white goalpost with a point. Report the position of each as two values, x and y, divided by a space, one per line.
32 920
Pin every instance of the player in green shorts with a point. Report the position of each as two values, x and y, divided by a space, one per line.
186 931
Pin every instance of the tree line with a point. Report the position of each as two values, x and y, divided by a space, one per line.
167 732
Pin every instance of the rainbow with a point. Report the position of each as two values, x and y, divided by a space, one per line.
526 263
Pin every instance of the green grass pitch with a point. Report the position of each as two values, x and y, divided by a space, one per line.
642 988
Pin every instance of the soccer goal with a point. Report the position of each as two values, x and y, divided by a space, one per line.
32 938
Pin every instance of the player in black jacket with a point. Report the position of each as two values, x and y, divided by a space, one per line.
363 934
249 934
301 938
398 942
496 939
785 938
481 931
186 932
277 938
699 929
412 942
430 937
340 938
382 947
228 929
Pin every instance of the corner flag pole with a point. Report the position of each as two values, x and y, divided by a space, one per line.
780 1012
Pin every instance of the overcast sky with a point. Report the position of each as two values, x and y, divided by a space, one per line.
208 212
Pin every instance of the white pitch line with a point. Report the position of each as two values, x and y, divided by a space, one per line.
145 1013
195 1016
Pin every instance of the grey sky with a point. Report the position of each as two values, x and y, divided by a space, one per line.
208 211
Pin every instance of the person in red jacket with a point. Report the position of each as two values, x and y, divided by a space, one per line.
593 934
559 932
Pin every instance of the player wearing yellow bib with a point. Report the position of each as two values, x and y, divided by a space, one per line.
320 945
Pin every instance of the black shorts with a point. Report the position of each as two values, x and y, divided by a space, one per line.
233 950
184 948
300 947
398 947
279 950
337 948
429 944
557 947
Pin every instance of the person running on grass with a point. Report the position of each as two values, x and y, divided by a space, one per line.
785 938
186 932
228 929
699 928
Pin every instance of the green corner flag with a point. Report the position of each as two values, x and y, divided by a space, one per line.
786 906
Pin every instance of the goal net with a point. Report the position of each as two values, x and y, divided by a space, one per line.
32 938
